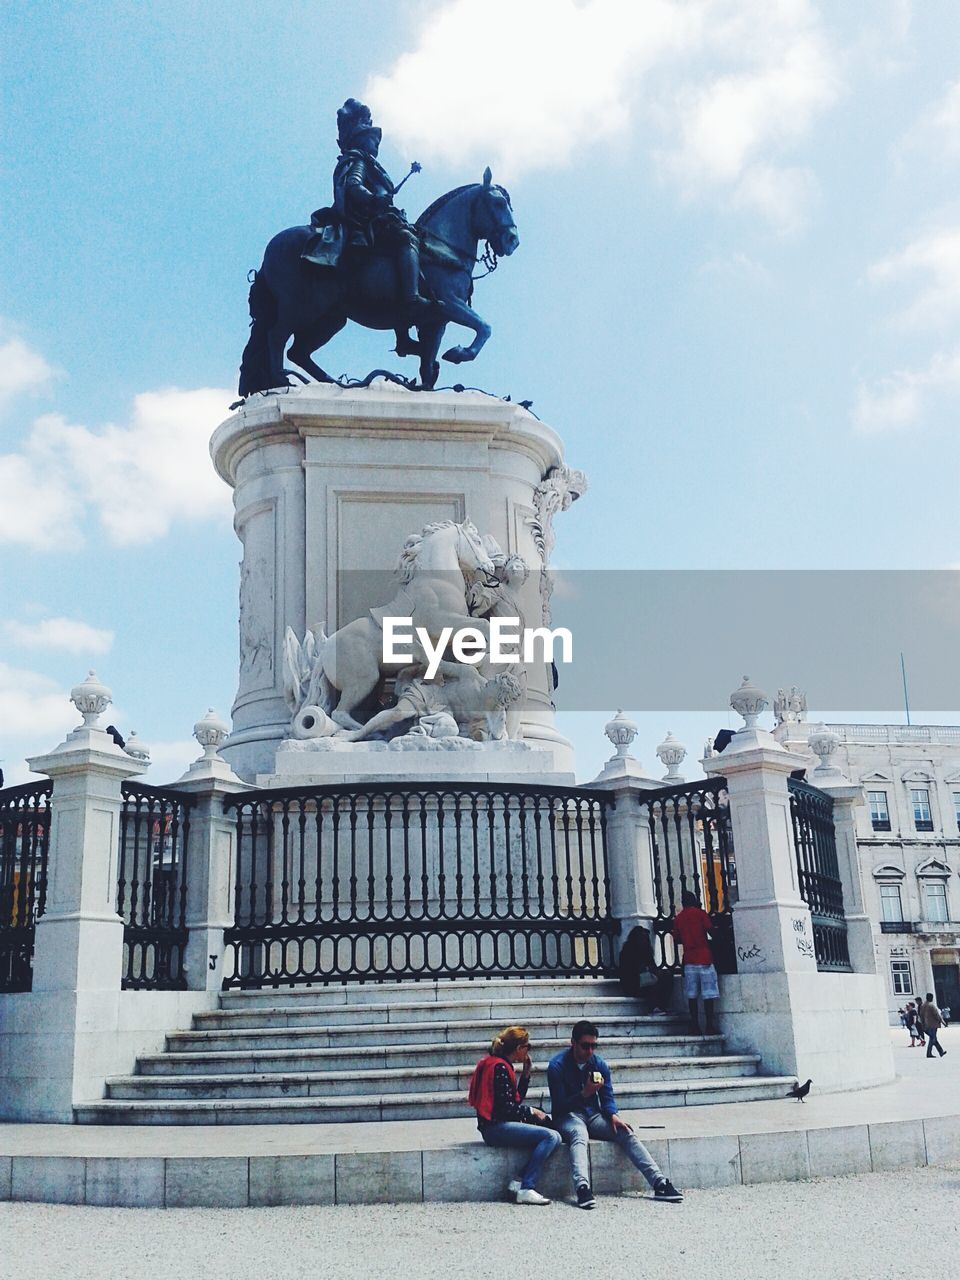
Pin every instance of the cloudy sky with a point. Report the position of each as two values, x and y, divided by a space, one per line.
737 295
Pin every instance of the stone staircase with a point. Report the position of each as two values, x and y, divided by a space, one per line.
406 1052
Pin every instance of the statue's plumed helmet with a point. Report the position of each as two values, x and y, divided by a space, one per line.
353 120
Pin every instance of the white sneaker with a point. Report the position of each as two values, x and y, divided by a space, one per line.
527 1195
513 1187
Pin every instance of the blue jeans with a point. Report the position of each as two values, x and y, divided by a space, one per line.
577 1131
511 1133
934 1043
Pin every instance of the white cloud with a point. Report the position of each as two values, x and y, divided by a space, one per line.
944 118
67 634
34 707
783 196
22 370
776 76
136 478
561 74
38 508
927 273
736 268
937 130
931 263
899 400
724 87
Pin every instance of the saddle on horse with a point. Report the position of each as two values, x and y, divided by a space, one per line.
325 247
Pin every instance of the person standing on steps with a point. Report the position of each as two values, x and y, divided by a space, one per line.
932 1020
502 1118
691 928
583 1105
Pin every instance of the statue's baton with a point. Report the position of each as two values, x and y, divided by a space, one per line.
415 167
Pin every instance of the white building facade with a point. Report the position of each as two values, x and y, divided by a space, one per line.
908 835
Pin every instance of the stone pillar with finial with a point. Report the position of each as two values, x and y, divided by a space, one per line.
771 920
627 844
831 1027
211 855
78 945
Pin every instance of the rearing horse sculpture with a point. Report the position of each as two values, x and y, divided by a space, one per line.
338 673
289 297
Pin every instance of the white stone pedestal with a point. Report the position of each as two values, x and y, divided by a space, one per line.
329 482
302 762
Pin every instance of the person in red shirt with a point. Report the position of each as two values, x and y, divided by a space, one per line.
502 1117
691 928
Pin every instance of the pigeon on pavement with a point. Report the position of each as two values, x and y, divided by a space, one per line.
799 1091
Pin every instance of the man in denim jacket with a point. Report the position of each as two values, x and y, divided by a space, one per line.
583 1105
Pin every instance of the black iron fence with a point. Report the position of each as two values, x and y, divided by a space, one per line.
152 885
24 844
818 873
435 880
691 848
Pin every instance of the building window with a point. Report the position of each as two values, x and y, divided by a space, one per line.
891 908
935 895
880 814
900 974
956 807
920 800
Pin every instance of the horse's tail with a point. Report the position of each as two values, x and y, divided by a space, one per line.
256 373
321 691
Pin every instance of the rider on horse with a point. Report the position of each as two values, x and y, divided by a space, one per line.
363 206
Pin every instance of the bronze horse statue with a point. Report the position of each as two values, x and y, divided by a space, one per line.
290 297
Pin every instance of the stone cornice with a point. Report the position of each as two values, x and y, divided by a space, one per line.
383 410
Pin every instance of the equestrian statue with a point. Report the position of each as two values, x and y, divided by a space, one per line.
362 260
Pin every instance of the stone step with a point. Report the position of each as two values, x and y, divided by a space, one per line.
434 991
390 1080
412 1056
317 1034
502 1012
384 1107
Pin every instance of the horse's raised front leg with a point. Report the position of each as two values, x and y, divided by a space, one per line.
459 313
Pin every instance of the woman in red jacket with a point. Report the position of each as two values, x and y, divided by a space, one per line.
502 1118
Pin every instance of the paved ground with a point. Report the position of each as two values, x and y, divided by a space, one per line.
831 1228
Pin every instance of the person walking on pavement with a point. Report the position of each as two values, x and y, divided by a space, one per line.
691 928
932 1022
910 1023
921 1030
583 1105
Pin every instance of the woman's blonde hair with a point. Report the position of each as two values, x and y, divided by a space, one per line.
509 1040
